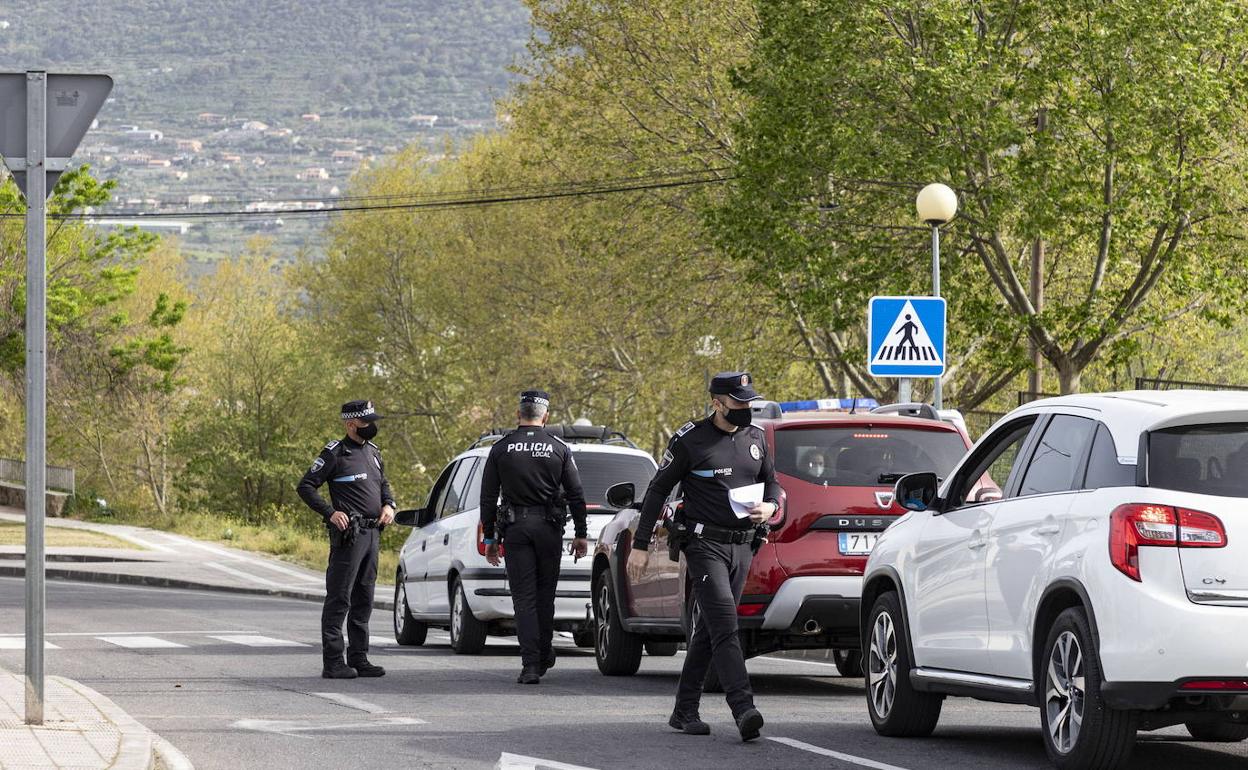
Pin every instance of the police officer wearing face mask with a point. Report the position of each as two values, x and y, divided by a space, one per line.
529 466
708 458
361 505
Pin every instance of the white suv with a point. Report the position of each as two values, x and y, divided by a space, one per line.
1089 557
443 578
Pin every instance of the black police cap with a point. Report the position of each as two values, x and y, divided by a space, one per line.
362 410
738 385
535 397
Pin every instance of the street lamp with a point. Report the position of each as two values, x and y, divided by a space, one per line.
936 204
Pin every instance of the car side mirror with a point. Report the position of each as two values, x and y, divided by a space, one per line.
621 495
917 491
407 518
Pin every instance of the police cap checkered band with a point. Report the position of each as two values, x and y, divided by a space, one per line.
535 397
362 410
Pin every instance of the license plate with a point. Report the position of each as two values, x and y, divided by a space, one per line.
858 543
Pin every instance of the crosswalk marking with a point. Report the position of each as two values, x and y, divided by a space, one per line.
850 758
257 641
139 642
19 643
381 641
238 573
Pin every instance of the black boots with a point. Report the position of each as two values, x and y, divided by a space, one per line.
749 723
530 675
364 668
689 724
336 669
548 662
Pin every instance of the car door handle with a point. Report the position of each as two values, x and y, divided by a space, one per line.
423 543
446 538
975 545
1048 529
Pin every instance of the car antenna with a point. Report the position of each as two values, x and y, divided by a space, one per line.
853 404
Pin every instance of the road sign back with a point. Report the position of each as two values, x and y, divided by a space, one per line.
73 102
906 336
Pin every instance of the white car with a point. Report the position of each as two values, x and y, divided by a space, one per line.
443 578
1089 556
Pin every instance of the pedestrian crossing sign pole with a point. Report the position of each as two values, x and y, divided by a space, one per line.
906 338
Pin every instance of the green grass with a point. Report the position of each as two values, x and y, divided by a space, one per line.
294 538
13 533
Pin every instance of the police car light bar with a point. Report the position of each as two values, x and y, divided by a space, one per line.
829 405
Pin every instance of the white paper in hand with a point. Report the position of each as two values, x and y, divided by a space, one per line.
745 498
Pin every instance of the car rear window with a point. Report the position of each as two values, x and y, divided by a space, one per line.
1208 459
599 470
866 456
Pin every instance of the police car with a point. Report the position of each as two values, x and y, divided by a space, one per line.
444 580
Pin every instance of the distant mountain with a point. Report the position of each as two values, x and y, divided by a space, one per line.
226 104
275 58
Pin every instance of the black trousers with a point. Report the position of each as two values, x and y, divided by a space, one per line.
349 582
534 547
717 574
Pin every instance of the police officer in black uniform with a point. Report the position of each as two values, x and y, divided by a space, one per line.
531 466
361 506
708 458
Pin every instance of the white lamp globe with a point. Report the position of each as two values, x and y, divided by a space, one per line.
936 204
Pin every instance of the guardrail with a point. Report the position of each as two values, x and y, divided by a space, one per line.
60 478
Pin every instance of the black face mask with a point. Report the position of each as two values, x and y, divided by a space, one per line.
742 418
367 432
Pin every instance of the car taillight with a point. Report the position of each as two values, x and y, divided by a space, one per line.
749 610
1142 524
481 541
1221 685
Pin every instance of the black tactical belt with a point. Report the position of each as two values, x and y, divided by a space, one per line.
370 523
721 535
532 510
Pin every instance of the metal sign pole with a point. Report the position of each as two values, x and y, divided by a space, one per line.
904 391
937 401
36 385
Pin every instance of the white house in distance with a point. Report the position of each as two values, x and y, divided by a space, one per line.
423 121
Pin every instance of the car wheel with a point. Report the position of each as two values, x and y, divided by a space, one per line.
1218 732
848 663
896 708
1080 731
662 649
408 631
467 633
617 651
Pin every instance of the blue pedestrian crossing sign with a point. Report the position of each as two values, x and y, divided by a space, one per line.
906 336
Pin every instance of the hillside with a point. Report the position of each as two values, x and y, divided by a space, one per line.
240 100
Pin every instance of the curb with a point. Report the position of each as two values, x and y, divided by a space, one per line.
136 750
167 756
154 581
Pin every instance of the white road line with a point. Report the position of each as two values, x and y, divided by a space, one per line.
238 573
381 641
850 758
248 640
353 703
128 633
770 659
19 643
293 727
139 642
238 557
520 762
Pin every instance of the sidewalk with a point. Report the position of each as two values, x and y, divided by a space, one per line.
172 561
82 730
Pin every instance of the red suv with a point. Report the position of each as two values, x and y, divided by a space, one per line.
837 471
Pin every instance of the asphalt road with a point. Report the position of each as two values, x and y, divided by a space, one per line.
254 699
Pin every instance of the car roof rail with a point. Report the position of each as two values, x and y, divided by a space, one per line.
913 409
573 434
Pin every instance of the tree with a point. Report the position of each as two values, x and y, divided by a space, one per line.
1105 136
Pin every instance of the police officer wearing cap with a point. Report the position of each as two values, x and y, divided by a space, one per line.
530 466
708 458
361 505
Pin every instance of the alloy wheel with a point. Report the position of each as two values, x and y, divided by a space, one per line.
457 613
400 610
1064 695
882 665
604 616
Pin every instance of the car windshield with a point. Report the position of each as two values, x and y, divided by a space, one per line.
865 456
600 470
1207 459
